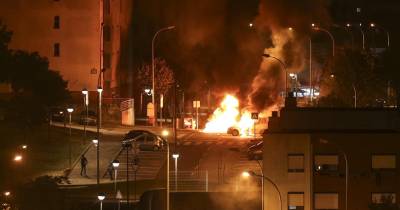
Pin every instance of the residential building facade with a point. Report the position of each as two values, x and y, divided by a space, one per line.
316 145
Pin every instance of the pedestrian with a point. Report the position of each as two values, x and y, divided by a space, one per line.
110 170
84 163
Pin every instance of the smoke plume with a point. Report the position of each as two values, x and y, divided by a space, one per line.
287 24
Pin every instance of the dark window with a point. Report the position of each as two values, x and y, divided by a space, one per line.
107 7
296 163
57 50
326 201
107 60
107 33
56 24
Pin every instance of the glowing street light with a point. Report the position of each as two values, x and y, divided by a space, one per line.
70 110
7 193
176 156
18 158
95 142
374 25
245 174
115 164
24 146
250 25
101 197
165 134
317 28
290 29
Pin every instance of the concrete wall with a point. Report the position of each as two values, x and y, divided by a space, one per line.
276 150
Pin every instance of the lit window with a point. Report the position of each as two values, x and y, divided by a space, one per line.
326 163
56 50
383 162
295 201
295 163
56 24
383 198
326 201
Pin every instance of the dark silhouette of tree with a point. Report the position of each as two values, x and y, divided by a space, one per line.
354 72
164 76
35 88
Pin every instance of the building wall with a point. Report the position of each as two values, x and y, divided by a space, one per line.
275 161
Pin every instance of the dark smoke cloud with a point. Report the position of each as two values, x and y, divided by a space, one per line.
212 41
275 17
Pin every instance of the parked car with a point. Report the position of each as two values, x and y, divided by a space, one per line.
145 140
57 115
255 152
89 119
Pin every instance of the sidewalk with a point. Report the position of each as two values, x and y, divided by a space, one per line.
122 130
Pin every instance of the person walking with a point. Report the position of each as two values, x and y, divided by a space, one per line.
84 163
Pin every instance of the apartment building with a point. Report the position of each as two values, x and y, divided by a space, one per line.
78 37
314 154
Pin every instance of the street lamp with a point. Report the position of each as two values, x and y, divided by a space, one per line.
324 141
153 70
165 134
333 76
176 156
265 55
101 197
85 93
348 25
18 158
374 25
252 173
115 164
24 147
317 28
70 110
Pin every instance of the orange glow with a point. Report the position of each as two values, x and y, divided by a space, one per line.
228 115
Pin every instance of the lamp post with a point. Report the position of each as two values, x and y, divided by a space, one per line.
115 164
127 146
165 133
324 141
85 93
373 25
98 125
247 174
349 26
176 156
317 28
101 197
283 67
96 143
70 110
333 76
153 70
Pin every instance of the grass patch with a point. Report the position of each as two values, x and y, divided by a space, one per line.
47 152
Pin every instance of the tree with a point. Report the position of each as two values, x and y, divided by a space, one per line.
164 76
35 88
354 73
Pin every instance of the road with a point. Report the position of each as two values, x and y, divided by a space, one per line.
207 161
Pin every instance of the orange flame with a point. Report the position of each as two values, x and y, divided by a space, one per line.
228 115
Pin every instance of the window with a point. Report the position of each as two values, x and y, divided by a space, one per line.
295 163
326 201
326 163
56 24
295 201
107 60
107 33
383 162
383 198
107 7
57 50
